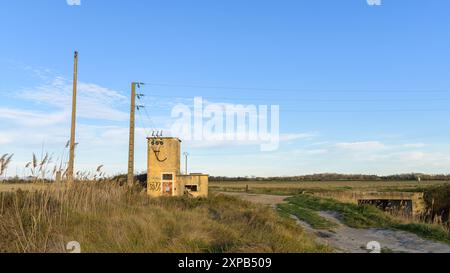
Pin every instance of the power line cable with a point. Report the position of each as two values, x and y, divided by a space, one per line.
147 132
364 111
290 110
299 90
307 100
143 107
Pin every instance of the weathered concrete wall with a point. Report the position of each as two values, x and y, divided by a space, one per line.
199 180
163 157
354 197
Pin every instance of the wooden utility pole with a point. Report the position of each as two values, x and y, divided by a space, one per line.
70 167
130 178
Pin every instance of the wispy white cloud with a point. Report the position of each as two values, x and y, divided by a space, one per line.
5 138
364 146
223 140
42 121
413 156
296 136
414 145
93 101
32 118
317 152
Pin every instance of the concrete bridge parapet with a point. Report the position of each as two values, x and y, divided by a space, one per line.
415 199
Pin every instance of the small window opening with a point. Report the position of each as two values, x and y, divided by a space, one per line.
167 177
192 188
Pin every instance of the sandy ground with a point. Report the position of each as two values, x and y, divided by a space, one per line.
352 240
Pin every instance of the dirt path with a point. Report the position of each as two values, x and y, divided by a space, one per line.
351 240
264 199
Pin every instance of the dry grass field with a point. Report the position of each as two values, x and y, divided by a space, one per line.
105 217
287 188
24 187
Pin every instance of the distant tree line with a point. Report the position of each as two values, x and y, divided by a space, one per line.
336 177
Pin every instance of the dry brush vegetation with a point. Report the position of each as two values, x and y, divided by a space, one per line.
105 217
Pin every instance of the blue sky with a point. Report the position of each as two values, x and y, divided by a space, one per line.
362 89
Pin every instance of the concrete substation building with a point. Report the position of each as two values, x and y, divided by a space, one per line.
164 177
